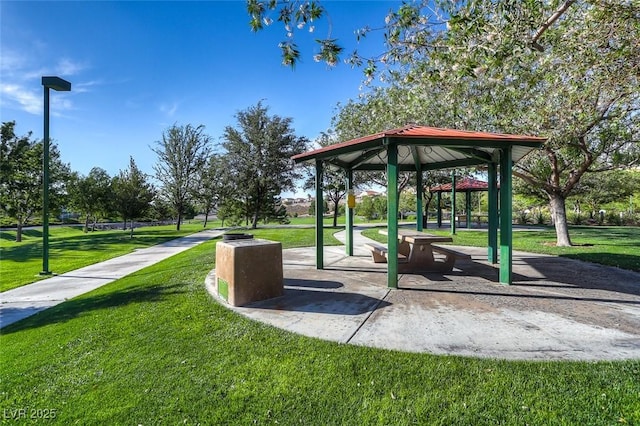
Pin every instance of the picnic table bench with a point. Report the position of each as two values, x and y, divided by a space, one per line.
380 253
416 252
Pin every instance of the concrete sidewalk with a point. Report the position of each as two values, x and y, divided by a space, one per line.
27 300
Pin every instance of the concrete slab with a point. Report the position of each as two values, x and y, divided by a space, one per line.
556 309
30 299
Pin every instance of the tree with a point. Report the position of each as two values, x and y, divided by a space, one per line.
598 189
258 153
579 90
132 193
372 207
275 211
160 210
21 176
91 195
293 14
182 153
312 207
213 185
565 70
232 211
333 179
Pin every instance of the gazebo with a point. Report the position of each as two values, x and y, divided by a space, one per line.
466 185
419 148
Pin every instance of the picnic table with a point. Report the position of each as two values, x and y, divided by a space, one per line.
416 252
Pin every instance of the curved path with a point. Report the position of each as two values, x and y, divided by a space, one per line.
556 309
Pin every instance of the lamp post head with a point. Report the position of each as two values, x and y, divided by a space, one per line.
56 83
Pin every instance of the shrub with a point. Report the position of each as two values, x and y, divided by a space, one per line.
613 218
523 217
540 217
575 218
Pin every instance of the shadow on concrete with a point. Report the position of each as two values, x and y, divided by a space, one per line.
470 269
567 273
355 268
74 308
523 295
322 302
296 282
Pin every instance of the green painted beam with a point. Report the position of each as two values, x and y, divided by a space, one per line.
349 214
453 203
392 215
492 243
419 202
467 207
474 153
337 163
439 208
416 157
506 231
365 156
319 216
433 166
333 152
419 196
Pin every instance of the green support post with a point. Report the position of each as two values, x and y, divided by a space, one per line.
468 208
319 217
453 203
419 205
492 243
506 231
392 215
439 210
45 188
349 214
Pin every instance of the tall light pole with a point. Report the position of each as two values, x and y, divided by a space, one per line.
55 83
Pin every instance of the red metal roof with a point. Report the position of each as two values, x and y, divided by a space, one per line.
439 133
424 132
424 145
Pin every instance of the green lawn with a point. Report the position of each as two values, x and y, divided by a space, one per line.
155 348
613 246
70 248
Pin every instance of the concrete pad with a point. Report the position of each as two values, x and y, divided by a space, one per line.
556 309
331 306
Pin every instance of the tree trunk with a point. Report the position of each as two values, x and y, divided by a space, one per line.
335 214
179 220
131 232
425 212
19 232
206 218
559 217
254 221
86 224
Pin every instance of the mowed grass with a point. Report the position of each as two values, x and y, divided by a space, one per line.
155 348
611 246
70 248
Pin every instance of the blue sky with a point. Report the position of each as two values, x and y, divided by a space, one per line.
138 67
